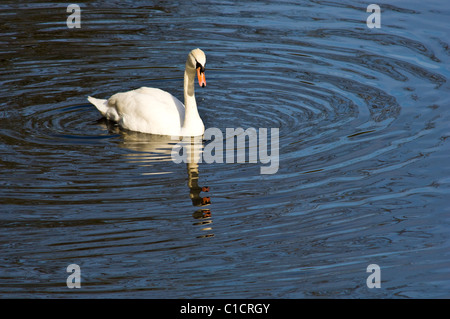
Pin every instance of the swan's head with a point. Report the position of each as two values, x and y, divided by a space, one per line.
197 60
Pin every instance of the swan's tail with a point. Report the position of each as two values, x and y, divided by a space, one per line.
100 104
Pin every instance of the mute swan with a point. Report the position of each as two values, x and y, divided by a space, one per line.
151 110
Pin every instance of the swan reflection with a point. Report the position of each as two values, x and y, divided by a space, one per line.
193 147
149 149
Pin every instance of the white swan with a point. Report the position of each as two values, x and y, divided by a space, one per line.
151 110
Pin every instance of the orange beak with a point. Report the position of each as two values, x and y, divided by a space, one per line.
201 78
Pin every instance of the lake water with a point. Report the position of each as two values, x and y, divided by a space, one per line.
363 118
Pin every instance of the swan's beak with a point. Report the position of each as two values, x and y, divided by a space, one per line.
201 77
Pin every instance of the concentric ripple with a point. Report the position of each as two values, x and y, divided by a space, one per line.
363 135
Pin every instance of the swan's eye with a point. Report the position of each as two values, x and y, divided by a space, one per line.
202 68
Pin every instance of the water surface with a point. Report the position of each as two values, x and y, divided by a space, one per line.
363 177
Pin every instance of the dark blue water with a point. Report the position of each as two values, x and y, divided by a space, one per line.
363 117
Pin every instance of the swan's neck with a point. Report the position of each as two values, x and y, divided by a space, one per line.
191 116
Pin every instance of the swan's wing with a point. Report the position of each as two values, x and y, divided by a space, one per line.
148 110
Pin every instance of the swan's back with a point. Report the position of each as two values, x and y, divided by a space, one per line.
147 110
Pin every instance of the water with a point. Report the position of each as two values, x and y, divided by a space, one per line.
363 176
